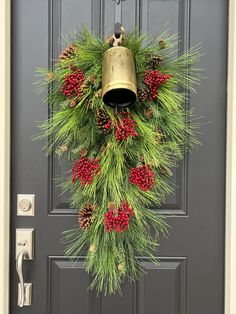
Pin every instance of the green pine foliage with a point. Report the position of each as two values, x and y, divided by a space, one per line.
161 143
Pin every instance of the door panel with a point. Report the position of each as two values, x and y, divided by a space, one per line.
189 278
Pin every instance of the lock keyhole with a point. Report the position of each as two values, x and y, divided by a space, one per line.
25 205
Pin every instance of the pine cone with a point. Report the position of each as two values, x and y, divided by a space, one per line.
159 136
162 44
142 94
91 79
121 267
155 61
84 87
111 206
85 216
63 148
50 76
163 170
83 151
148 112
73 103
67 53
99 93
104 122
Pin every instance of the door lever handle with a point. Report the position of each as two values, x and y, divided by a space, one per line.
24 251
19 269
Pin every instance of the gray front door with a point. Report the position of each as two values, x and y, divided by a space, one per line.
190 277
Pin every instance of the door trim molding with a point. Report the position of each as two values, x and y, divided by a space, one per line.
230 218
4 153
230 230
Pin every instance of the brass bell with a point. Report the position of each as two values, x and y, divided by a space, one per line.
119 88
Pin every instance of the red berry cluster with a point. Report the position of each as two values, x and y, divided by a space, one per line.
72 84
153 79
125 127
143 177
119 221
84 170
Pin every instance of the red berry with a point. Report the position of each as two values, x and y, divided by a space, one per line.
143 177
84 170
153 79
72 84
118 221
125 128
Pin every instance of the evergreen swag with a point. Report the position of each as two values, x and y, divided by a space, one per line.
121 160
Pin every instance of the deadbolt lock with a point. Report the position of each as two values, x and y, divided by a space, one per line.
25 204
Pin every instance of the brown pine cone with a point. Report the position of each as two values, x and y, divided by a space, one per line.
155 61
142 94
73 103
159 136
148 112
111 206
50 76
67 53
162 44
84 88
91 78
83 151
99 93
63 148
121 267
104 122
85 216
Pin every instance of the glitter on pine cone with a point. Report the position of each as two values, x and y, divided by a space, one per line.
84 170
143 177
85 216
125 127
153 79
104 122
118 219
72 86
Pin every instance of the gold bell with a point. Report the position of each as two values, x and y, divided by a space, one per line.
119 88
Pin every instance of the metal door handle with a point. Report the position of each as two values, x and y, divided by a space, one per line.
19 269
24 251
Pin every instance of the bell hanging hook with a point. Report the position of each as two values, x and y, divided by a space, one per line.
118 18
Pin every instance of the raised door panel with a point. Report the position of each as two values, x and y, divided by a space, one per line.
163 287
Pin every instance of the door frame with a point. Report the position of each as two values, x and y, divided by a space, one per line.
5 8
230 205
